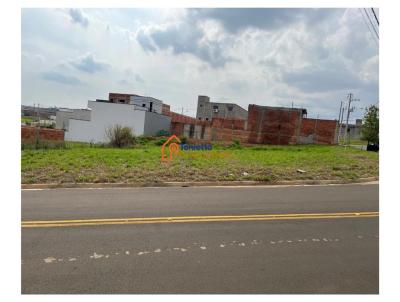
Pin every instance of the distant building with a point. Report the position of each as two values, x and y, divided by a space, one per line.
148 103
207 110
262 125
104 114
120 98
63 116
214 122
42 112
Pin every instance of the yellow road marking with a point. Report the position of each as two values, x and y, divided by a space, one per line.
181 219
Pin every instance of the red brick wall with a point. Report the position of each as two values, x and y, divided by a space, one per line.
177 128
270 125
265 125
325 130
116 97
29 133
229 135
230 123
181 118
214 133
166 109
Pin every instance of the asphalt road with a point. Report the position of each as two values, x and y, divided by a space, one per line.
337 255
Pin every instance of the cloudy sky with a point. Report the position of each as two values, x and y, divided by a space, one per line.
311 57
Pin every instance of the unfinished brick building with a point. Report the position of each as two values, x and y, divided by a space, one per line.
283 126
120 98
265 125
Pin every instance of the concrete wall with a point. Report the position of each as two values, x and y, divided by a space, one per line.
155 122
194 131
103 116
354 131
63 116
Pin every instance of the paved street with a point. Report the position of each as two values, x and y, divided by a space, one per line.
244 248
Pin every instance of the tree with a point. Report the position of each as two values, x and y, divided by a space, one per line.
370 127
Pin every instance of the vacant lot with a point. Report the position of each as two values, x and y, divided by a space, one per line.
84 163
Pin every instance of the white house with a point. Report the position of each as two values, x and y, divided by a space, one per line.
106 114
63 116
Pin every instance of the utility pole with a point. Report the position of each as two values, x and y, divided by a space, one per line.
341 124
349 109
338 129
38 113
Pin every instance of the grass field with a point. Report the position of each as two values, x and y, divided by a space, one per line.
27 119
354 142
82 163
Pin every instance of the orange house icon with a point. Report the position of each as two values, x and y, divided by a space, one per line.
173 148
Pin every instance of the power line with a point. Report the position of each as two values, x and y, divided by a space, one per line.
372 24
376 18
369 28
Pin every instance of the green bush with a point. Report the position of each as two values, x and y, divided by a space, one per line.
120 137
161 141
163 133
236 144
144 140
183 139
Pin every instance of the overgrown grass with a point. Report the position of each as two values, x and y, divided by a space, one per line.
27 119
353 142
81 162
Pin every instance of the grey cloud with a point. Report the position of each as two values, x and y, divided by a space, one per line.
78 17
89 64
184 38
145 41
60 78
188 37
236 19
